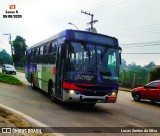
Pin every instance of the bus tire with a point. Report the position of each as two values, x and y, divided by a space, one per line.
52 96
32 84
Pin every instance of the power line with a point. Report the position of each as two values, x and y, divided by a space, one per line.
5 44
139 27
141 43
138 31
102 4
110 6
142 53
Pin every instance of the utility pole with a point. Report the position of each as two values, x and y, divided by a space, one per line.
92 21
134 80
10 42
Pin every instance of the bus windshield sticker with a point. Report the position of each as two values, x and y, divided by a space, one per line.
86 77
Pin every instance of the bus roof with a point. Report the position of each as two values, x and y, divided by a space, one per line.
70 34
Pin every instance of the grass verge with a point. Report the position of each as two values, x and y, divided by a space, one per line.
13 119
5 78
18 122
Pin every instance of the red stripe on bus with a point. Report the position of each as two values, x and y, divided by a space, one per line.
73 86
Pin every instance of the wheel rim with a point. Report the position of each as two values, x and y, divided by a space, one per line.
32 84
136 97
52 94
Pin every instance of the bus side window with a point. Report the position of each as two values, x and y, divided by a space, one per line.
37 55
53 55
54 47
45 49
37 51
28 56
41 50
32 55
41 54
50 48
46 54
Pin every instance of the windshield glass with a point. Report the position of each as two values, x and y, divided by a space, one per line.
107 62
91 63
9 66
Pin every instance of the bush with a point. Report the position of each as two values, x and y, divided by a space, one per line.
9 79
155 74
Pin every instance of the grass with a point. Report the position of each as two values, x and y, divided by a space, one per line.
5 78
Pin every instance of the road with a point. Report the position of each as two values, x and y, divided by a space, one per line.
124 113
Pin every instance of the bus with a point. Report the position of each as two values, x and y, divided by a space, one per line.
75 66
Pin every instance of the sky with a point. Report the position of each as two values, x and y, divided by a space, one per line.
135 23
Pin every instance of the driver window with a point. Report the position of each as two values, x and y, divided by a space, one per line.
153 85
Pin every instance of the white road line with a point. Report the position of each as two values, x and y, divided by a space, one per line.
136 125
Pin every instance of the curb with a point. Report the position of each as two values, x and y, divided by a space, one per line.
125 89
33 122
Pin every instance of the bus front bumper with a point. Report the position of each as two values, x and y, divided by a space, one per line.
83 98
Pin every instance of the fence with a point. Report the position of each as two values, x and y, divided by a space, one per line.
133 81
20 66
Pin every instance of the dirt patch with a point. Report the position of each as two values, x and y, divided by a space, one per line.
18 122
15 121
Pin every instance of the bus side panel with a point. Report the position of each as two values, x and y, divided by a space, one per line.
33 70
39 76
45 76
28 72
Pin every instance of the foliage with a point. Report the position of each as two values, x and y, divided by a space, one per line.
155 74
129 71
1 60
123 65
19 48
150 65
5 57
9 79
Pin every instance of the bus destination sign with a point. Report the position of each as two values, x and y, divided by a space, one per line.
94 38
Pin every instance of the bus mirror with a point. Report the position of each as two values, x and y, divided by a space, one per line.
120 52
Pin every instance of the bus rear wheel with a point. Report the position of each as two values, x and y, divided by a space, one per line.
32 84
52 96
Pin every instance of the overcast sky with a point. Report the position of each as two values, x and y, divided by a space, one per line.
136 23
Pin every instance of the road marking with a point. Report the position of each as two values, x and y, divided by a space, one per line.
134 124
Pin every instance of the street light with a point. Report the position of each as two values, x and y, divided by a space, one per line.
73 25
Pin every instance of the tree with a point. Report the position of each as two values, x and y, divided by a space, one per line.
5 57
1 60
150 65
123 64
19 48
155 74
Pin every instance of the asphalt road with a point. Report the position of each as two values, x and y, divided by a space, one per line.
124 113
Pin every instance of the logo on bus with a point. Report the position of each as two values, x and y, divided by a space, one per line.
99 79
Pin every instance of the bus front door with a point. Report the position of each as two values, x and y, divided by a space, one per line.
58 86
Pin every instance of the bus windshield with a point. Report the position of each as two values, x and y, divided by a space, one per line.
92 63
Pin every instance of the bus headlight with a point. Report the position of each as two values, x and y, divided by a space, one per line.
113 94
71 91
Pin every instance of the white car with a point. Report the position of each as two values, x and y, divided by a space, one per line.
8 69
